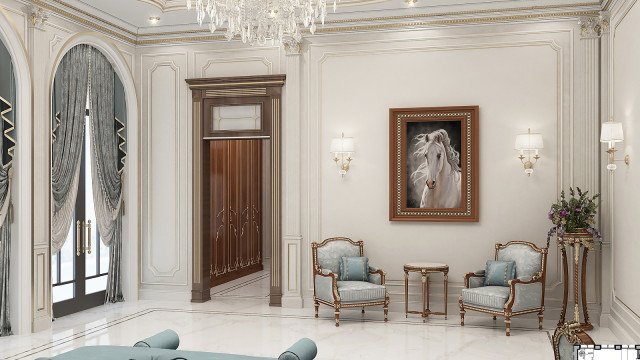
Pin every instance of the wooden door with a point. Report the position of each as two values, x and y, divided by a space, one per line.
236 210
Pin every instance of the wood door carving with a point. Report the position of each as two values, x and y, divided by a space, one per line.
235 216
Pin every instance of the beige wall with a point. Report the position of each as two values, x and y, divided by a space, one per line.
520 76
523 75
626 192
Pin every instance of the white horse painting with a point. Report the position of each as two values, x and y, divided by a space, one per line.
440 171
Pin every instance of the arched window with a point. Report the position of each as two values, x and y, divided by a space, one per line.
7 146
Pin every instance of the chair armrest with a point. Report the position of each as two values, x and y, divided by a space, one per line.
469 278
325 285
376 276
526 293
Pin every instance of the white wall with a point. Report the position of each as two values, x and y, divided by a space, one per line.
165 261
524 75
520 76
626 193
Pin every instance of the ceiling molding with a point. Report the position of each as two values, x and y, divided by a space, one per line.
398 22
174 5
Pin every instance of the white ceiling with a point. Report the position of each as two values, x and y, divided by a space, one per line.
134 14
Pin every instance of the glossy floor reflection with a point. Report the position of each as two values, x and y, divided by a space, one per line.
238 320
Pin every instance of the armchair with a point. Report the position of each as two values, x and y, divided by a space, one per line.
329 290
525 293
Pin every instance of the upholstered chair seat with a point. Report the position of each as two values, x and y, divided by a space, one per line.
358 291
493 297
332 289
506 293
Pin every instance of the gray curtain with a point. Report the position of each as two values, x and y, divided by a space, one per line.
7 146
71 86
106 166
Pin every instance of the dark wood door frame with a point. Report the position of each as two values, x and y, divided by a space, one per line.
269 89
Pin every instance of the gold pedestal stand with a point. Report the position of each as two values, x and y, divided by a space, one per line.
578 241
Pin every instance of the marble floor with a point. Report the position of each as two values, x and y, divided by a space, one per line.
239 320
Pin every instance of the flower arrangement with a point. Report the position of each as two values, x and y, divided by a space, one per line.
573 214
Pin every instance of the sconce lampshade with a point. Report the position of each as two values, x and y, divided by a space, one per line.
611 132
343 145
529 141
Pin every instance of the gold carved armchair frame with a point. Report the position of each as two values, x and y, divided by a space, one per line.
508 312
337 303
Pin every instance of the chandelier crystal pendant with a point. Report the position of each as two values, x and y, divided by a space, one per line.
259 21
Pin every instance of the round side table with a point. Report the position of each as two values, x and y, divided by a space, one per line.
425 268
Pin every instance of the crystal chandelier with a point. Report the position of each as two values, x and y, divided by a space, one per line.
259 21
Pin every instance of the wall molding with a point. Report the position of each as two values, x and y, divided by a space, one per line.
623 322
362 24
315 114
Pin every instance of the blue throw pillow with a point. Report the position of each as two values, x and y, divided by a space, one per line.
354 268
498 273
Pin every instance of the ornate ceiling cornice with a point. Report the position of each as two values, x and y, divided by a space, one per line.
396 22
173 5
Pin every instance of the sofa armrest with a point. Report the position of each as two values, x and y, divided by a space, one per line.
325 285
167 339
376 276
474 279
303 349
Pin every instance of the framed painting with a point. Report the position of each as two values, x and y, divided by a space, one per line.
433 164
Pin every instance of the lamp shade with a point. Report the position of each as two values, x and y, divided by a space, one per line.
343 145
611 132
529 141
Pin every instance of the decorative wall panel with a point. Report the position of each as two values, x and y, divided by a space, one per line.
164 248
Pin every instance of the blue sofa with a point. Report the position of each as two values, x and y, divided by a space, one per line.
164 345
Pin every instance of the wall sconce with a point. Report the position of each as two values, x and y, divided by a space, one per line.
529 145
612 133
342 149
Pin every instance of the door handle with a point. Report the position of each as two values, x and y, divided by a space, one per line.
79 237
89 236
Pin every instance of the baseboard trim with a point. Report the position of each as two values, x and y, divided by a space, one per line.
164 295
623 322
293 302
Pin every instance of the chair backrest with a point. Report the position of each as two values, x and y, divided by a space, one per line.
529 258
327 254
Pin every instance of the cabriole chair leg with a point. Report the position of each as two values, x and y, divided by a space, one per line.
316 305
540 318
386 309
461 311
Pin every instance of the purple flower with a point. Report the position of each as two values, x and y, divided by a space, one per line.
550 214
563 213
578 209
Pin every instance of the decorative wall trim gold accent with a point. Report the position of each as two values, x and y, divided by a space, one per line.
358 25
